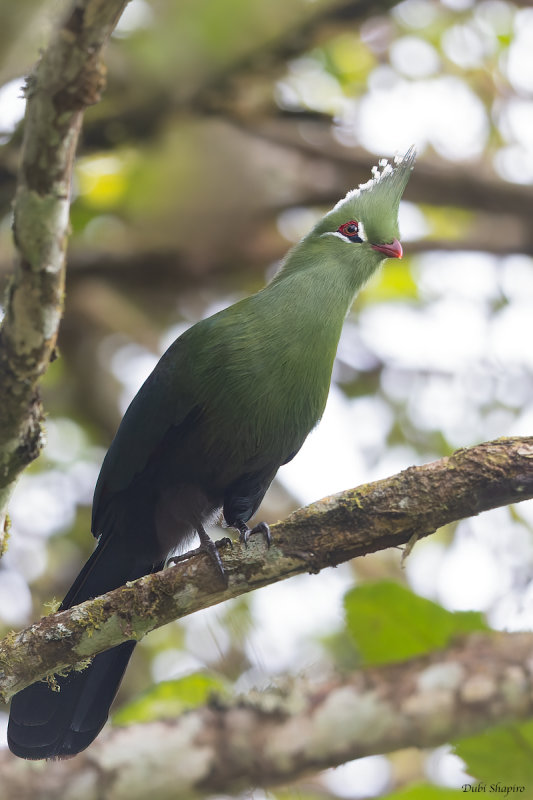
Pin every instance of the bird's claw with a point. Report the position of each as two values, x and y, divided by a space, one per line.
245 532
207 546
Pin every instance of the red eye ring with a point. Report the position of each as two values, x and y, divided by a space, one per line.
349 229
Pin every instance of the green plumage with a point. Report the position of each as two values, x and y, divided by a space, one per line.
261 368
229 402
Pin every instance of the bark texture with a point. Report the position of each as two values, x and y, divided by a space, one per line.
68 78
387 513
281 734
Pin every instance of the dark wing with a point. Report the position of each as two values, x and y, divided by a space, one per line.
162 410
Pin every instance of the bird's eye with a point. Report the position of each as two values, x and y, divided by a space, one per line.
350 230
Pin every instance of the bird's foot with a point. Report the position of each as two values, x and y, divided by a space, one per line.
245 532
207 546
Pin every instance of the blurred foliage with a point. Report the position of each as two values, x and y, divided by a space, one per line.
396 284
390 623
501 756
226 128
167 699
425 792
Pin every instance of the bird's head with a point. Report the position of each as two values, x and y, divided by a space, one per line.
367 218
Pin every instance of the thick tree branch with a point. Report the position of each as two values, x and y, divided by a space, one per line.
282 734
435 182
386 513
68 78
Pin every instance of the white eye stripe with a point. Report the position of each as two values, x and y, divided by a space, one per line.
338 234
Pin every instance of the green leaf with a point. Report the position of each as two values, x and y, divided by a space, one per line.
395 283
447 222
502 755
349 59
171 698
290 794
425 791
390 623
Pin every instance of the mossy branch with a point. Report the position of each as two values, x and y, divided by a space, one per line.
300 726
68 78
390 512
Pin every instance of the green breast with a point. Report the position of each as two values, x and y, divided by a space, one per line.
266 373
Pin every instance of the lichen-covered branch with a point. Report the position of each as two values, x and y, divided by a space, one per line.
281 734
68 78
390 512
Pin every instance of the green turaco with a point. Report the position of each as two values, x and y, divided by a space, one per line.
231 400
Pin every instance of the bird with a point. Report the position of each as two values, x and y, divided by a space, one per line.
230 401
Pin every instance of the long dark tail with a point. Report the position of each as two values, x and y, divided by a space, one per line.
46 723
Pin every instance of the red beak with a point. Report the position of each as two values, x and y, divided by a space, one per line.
392 250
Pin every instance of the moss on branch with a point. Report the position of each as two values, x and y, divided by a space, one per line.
390 512
68 78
